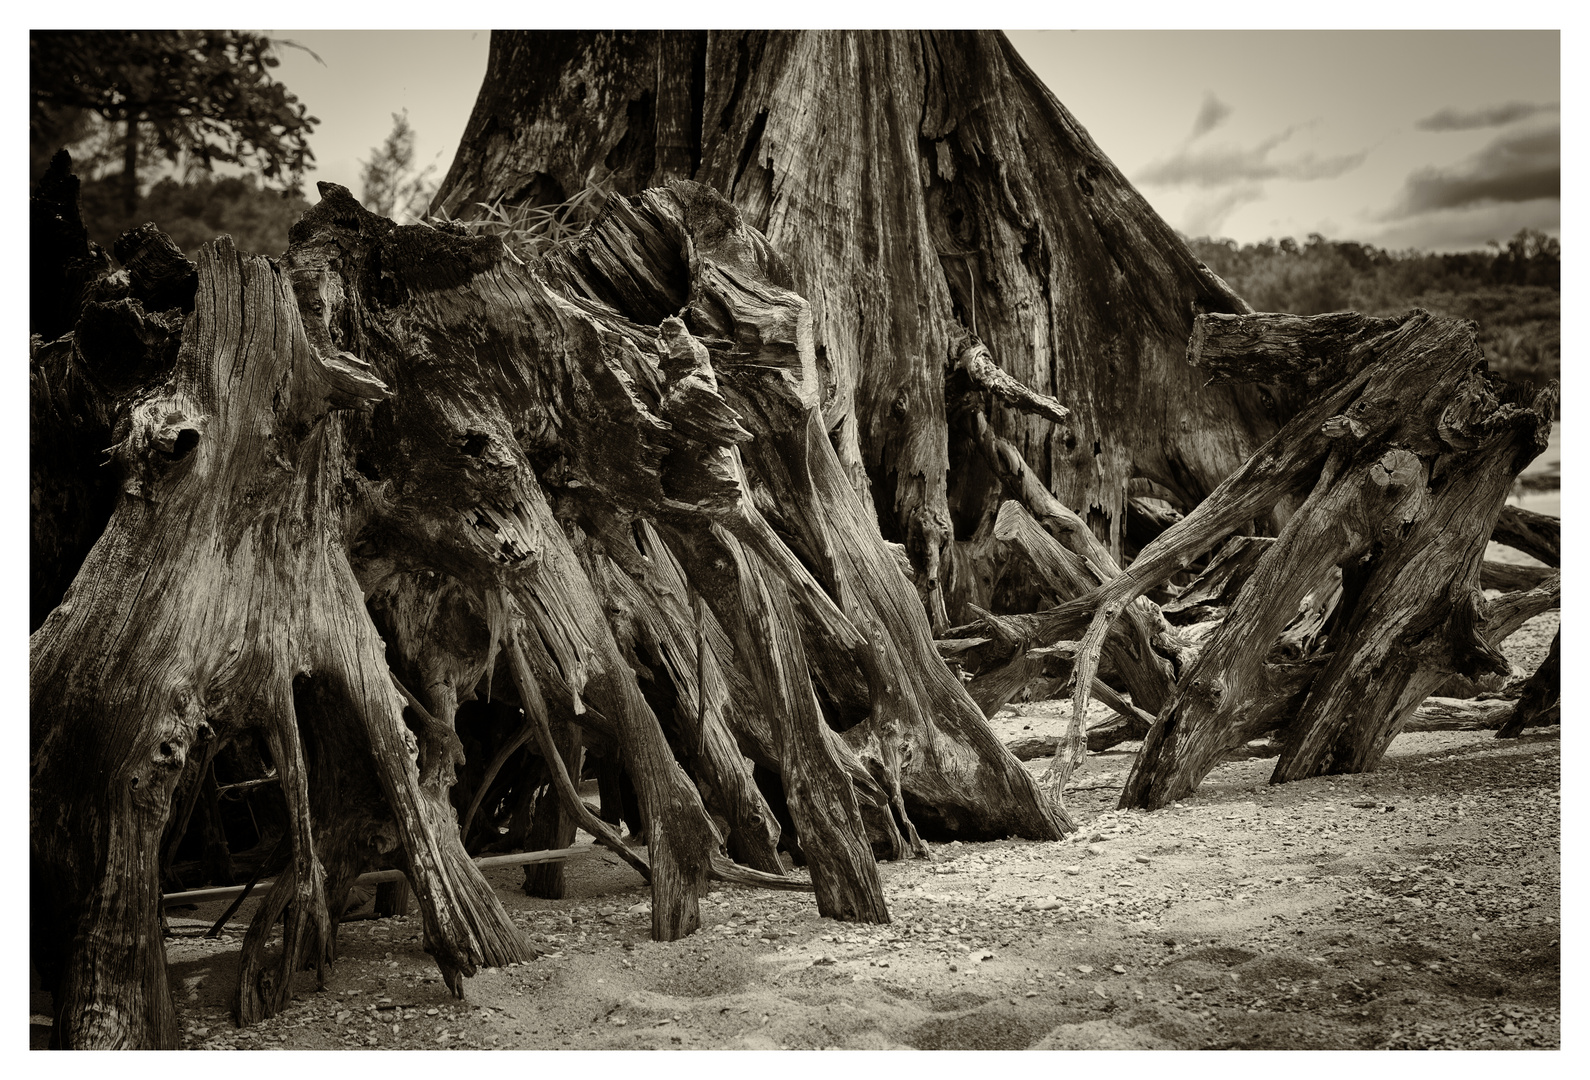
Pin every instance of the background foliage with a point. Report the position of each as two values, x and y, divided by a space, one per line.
129 103
1512 292
390 185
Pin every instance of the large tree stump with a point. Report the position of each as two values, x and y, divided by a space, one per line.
385 463
921 186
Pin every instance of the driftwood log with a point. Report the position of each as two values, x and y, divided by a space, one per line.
1400 457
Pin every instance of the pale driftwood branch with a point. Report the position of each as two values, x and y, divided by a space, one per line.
375 877
978 364
732 873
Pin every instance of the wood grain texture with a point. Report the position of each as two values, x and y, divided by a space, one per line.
919 186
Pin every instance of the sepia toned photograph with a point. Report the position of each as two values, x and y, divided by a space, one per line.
794 539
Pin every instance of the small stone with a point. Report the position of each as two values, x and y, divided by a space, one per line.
1086 969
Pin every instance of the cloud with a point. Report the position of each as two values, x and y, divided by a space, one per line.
1512 169
1450 119
1211 115
1206 217
1218 166
1469 228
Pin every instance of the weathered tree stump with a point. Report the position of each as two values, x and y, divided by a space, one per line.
922 186
429 455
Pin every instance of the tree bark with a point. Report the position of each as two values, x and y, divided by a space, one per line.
684 644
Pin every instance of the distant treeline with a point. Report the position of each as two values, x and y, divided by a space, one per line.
1512 292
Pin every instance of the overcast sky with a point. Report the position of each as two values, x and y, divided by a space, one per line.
1439 140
